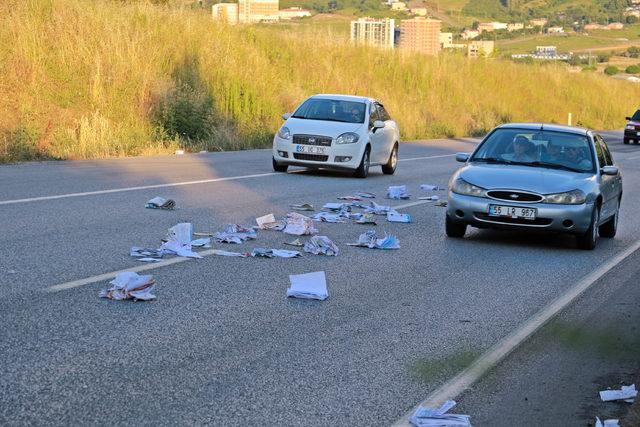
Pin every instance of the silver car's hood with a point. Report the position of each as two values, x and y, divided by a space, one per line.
319 127
534 179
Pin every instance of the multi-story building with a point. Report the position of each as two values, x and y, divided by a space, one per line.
252 11
515 26
479 49
446 40
294 12
376 32
421 35
470 34
491 26
225 12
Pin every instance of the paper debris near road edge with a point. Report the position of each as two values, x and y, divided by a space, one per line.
337 207
365 195
376 209
182 233
370 240
607 423
626 393
321 245
176 248
398 192
366 219
161 203
204 242
145 253
296 242
129 285
235 233
394 216
308 286
270 253
268 222
428 417
328 217
434 198
350 198
299 225
429 187
231 254
302 207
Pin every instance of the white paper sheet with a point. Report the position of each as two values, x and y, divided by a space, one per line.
308 286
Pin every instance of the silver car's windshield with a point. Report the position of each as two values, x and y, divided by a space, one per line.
331 110
537 148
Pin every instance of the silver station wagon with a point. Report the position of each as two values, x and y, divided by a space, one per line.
537 177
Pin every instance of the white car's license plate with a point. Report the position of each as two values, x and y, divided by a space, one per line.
310 149
512 212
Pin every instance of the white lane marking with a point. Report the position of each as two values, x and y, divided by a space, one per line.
426 157
112 274
153 266
503 348
170 184
142 187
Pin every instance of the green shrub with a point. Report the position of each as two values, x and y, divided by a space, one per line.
632 69
611 70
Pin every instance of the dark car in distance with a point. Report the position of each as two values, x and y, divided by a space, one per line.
632 129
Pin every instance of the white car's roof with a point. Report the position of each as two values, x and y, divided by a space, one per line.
337 97
547 126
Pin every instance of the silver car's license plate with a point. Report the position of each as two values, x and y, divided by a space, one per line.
310 149
512 212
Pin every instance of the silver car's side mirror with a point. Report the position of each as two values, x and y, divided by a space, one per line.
379 124
285 116
609 170
462 157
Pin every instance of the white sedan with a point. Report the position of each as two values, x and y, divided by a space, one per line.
337 132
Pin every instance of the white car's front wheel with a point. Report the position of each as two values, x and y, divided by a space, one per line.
278 167
363 169
390 167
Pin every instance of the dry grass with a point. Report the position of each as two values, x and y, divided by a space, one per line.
86 79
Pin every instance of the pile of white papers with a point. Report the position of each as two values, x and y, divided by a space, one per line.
321 245
299 224
428 417
376 209
129 285
398 192
160 203
179 241
308 286
370 240
235 233
626 393
270 253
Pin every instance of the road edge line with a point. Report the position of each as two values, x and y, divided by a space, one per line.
467 377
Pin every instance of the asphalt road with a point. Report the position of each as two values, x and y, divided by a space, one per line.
222 344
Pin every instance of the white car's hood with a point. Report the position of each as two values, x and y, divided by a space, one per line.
321 128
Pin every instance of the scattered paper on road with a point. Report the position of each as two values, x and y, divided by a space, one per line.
145 253
235 233
366 219
302 207
428 417
350 198
129 285
160 203
230 254
181 233
177 248
607 423
365 195
270 253
394 216
434 198
296 242
268 222
429 187
376 209
370 240
299 225
308 286
398 192
625 393
204 242
321 245
328 217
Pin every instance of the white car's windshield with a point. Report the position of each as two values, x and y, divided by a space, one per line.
537 148
331 110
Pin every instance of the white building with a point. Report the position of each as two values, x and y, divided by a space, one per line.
515 27
252 11
225 12
293 13
446 40
375 32
469 34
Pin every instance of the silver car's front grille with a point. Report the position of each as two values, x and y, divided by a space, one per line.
322 141
515 196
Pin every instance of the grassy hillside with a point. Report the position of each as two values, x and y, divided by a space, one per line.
93 79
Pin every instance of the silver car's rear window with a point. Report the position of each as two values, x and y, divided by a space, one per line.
537 148
331 110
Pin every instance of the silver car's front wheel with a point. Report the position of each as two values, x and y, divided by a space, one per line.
589 239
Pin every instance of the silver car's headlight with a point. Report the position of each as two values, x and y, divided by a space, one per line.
460 186
347 138
573 197
632 127
284 133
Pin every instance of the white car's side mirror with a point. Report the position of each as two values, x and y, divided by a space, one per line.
462 157
379 124
609 170
285 116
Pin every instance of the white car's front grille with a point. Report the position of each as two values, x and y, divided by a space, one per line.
323 141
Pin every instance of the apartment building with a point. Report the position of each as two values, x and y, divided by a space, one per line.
421 35
375 32
478 49
253 11
446 40
226 12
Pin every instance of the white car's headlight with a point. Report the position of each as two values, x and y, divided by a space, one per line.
573 197
347 138
284 133
632 127
460 186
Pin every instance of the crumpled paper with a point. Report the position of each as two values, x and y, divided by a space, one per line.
130 285
321 245
160 203
270 253
299 225
235 233
370 240
398 192
429 417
